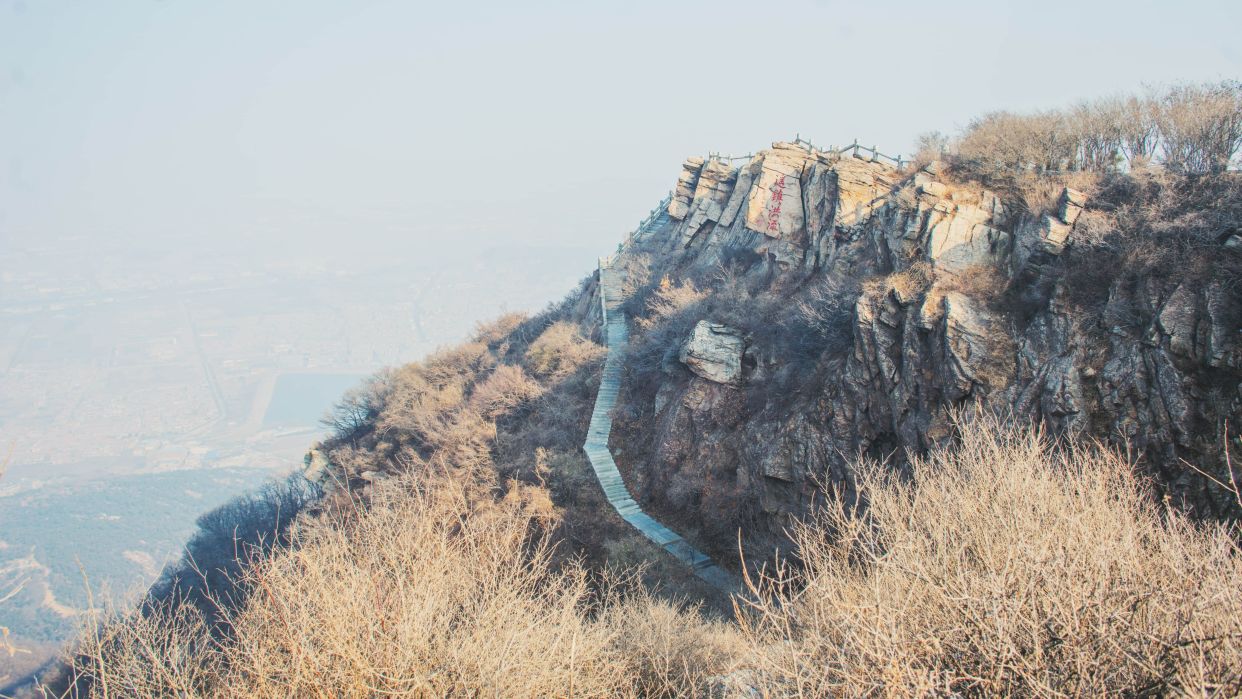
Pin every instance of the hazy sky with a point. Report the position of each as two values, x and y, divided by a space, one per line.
384 125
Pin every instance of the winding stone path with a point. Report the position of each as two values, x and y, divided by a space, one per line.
617 336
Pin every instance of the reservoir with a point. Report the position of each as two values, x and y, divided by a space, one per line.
300 400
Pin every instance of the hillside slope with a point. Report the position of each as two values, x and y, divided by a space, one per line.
913 382
811 306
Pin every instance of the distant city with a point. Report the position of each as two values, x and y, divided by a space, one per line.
108 367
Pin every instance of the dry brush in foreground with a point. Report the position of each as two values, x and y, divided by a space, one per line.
1003 567
436 589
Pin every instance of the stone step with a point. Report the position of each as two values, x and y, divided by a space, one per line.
612 285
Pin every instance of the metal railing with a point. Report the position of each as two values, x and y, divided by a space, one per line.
856 149
713 155
653 215
643 225
875 155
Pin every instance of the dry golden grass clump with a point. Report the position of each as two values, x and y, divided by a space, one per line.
667 300
437 590
559 351
504 390
1003 568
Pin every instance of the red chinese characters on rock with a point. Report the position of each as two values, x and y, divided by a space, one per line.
774 210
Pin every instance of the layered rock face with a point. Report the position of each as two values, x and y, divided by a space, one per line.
780 203
956 302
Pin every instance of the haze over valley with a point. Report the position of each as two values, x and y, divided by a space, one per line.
637 349
138 391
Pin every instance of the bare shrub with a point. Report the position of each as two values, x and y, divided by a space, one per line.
1201 126
669 311
1003 143
911 281
667 656
494 331
1140 135
505 389
165 650
1192 128
1003 568
668 300
251 524
437 590
1152 224
636 268
979 281
461 439
416 405
930 146
1098 129
559 351
826 312
456 365
739 259
356 411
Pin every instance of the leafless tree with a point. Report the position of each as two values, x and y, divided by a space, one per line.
356 409
1140 137
1007 142
1191 128
1097 126
1201 126
929 146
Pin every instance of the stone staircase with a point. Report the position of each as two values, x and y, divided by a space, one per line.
616 334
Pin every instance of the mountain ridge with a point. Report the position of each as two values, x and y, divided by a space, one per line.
953 295
859 384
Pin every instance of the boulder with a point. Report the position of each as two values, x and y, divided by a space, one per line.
1070 205
1054 234
714 352
935 189
687 182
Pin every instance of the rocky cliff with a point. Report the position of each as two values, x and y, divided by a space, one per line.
809 306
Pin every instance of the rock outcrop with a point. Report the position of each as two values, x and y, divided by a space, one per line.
714 352
960 300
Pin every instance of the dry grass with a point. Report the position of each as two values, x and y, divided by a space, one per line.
908 284
560 351
668 300
1004 568
438 590
500 329
504 390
